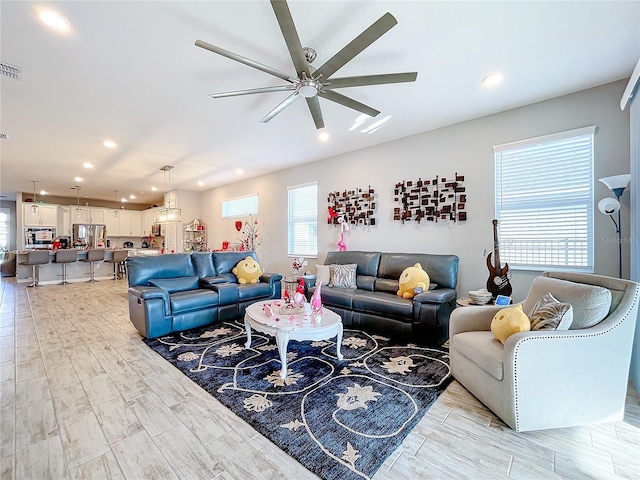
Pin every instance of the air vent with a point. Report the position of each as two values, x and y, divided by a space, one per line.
4 136
10 71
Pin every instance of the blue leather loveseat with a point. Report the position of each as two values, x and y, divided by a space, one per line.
374 305
171 293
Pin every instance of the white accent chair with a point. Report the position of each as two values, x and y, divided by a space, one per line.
548 378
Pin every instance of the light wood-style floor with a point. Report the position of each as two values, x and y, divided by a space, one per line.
83 398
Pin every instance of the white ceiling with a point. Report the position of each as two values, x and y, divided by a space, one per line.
130 72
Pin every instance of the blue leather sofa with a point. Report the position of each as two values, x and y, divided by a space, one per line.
374 305
171 293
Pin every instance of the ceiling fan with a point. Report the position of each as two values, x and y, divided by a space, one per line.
312 83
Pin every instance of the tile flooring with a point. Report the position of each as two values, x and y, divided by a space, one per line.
81 397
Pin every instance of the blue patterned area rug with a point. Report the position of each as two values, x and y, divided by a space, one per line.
340 419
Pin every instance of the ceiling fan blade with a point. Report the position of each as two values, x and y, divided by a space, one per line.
357 45
284 104
290 34
245 60
316 113
349 102
279 88
370 80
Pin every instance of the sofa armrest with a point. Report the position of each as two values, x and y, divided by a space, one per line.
207 282
472 319
270 278
441 295
147 292
228 293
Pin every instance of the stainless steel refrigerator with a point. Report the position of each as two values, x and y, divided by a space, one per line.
89 235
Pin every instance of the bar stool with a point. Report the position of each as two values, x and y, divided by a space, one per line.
64 257
35 258
93 256
119 257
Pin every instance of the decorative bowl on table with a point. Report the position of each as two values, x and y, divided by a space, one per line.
480 297
291 309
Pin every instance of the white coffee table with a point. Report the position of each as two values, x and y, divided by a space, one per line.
301 327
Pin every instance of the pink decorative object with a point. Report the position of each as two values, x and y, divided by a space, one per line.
344 227
316 300
268 311
298 298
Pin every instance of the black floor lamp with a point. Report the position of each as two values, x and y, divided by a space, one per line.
609 206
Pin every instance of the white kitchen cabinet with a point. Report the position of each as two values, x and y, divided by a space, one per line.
147 221
64 226
112 221
40 215
136 223
86 214
130 223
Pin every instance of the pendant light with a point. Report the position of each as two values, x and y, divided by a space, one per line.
116 212
167 214
78 211
34 207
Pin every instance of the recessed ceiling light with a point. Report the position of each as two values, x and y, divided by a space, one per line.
132 196
492 80
200 183
79 179
239 171
154 189
87 165
123 200
54 20
110 144
42 192
323 136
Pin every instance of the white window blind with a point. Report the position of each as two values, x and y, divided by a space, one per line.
302 229
240 206
4 229
544 201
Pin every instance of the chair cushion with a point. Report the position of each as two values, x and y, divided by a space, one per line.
590 303
483 349
343 276
179 284
550 314
182 302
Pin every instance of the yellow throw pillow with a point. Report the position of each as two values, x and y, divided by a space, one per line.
247 271
509 321
411 278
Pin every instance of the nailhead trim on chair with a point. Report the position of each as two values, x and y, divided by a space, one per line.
540 337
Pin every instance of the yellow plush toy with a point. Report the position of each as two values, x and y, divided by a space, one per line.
411 278
247 271
509 321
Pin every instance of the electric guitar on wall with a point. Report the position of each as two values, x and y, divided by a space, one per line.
498 282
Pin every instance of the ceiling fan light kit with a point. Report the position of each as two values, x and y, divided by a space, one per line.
310 83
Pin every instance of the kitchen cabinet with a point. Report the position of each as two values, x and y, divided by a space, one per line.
130 223
86 214
37 215
147 221
112 222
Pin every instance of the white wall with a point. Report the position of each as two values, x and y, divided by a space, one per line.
465 148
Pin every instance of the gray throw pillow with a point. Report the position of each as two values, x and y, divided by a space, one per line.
343 276
550 314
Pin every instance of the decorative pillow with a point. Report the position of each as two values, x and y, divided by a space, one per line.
343 276
410 279
179 284
509 321
550 314
247 271
323 275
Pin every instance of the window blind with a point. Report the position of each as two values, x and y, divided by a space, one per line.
302 225
544 201
240 206
4 229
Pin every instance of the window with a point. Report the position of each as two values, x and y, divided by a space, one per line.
302 230
544 201
4 229
240 206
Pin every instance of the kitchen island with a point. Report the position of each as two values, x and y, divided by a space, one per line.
51 273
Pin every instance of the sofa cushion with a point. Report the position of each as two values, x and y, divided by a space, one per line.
248 291
178 284
590 303
367 261
192 300
204 264
384 304
339 297
224 262
343 276
550 314
323 275
483 349
141 268
388 285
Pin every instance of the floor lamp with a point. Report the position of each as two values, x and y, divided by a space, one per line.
609 206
